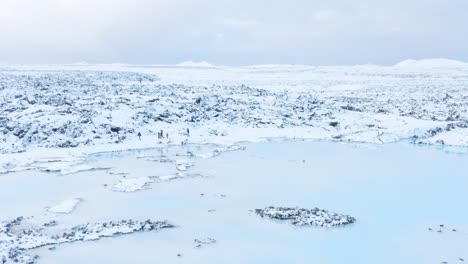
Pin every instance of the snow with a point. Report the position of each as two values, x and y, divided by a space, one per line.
17 237
219 151
65 207
91 107
431 64
58 119
132 184
194 64
79 168
182 167
452 138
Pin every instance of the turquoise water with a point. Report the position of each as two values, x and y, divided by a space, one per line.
395 192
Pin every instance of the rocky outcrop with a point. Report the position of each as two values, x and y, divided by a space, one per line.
303 217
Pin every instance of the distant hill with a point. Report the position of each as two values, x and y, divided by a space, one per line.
430 64
195 64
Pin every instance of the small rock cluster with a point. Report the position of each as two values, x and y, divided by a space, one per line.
303 217
204 241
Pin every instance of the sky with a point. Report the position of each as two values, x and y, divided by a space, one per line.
232 32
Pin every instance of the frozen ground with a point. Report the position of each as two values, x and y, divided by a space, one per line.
70 155
77 106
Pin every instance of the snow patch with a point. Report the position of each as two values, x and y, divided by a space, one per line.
65 207
132 184
144 183
53 112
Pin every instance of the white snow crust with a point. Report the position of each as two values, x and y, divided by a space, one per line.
194 64
65 207
144 183
305 217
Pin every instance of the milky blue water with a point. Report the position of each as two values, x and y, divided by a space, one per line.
395 191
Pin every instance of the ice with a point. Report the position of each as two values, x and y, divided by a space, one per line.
11 167
178 175
183 165
65 207
144 183
194 64
431 64
219 151
64 166
118 173
132 184
80 168
453 138
16 237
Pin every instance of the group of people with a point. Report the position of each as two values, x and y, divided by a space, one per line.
161 134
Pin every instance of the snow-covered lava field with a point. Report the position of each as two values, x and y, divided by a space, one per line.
257 164
72 106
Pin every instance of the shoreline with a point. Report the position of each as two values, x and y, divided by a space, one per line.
24 161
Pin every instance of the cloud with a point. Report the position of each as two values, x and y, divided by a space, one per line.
394 29
239 23
324 15
231 32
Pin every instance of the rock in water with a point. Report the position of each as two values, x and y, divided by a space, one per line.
303 217
205 240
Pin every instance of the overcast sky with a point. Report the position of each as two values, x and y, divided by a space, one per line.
232 32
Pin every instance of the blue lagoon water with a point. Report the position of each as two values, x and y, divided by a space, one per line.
395 191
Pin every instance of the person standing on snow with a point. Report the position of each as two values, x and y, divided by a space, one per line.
139 135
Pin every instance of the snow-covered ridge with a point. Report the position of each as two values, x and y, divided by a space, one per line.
194 64
142 183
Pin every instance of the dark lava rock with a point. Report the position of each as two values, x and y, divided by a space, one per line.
302 217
